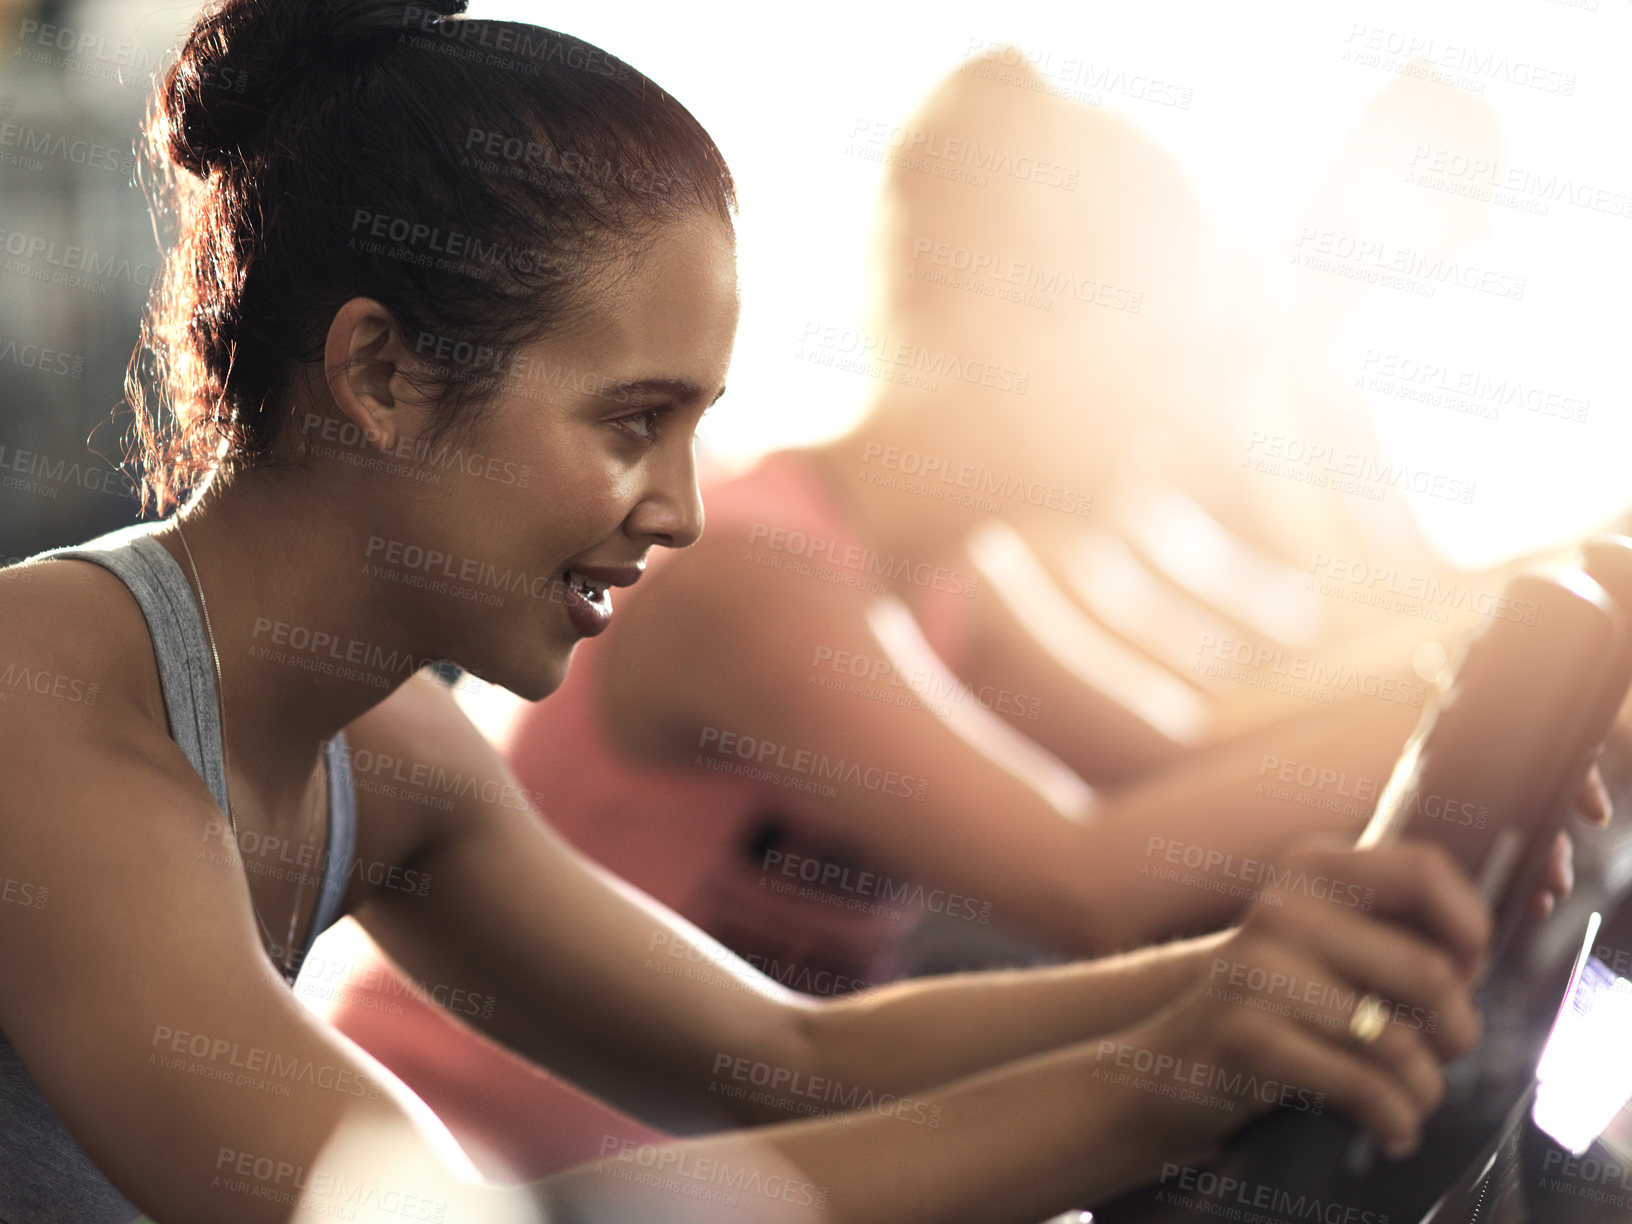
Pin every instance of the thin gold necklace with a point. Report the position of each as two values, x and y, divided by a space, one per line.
226 776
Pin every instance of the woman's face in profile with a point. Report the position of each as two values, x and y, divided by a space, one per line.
593 437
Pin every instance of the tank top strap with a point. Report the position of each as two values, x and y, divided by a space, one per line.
180 648
342 841
186 668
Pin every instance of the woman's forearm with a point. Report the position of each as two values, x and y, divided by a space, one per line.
1009 1147
907 1037
1018 1143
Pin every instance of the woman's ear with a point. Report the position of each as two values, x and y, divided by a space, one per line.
368 367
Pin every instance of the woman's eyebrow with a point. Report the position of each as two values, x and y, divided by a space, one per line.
682 389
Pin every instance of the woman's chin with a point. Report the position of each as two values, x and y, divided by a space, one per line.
542 680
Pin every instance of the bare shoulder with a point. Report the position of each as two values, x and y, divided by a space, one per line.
419 712
94 783
79 686
81 720
73 644
104 824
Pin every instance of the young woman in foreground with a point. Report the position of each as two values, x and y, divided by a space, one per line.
385 207
710 796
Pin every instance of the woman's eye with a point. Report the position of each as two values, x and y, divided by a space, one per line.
642 424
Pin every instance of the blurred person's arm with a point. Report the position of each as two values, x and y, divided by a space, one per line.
718 647
1039 631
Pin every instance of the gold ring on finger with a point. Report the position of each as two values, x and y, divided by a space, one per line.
1369 1020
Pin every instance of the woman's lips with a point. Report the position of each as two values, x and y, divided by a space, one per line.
588 598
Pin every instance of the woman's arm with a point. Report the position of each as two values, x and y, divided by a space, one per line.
970 1098
147 1013
554 935
597 982
138 995
1073 1126
1070 616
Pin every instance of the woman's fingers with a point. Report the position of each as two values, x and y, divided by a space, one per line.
1395 933
1350 978
1593 805
1420 989
1413 883
1312 995
1402 1054
1345 1080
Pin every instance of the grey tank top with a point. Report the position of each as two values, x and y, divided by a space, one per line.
45 1178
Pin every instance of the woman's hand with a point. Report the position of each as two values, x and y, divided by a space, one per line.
1274 1020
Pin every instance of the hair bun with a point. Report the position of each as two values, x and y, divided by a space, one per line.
243 56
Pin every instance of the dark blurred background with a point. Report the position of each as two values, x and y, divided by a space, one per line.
77 255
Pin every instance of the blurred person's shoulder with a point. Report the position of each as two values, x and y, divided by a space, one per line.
782 485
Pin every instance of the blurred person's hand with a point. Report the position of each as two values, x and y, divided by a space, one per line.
1593 805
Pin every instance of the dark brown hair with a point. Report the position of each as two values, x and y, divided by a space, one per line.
475 177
